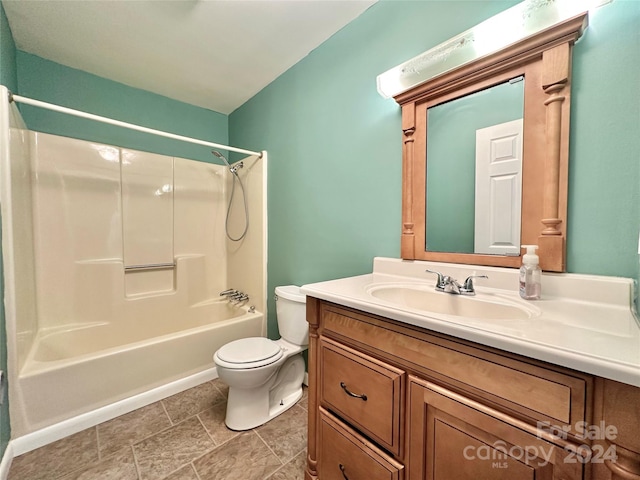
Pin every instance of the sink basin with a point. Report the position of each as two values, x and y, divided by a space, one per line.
425 298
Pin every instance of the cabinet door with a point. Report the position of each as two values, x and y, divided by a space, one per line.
451 437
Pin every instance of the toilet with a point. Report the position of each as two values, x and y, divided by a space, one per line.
265 376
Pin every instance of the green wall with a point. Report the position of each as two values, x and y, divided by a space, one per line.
335 145
51 82
604 169
8 78
8 72
451 166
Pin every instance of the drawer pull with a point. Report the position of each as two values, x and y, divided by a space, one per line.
354 395
342 470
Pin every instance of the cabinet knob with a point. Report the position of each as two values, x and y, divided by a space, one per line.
351 394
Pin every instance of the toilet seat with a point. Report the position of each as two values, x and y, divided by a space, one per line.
252 352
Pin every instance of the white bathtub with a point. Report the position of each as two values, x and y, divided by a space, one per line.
87 331
76 370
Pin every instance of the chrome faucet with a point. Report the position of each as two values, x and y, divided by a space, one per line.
235 296
449 284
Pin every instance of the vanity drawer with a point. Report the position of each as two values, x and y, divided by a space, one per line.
536 392
362 390
346 454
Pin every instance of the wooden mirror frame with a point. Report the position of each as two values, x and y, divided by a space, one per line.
545 61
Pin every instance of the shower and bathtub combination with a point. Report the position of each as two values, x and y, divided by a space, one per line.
114 260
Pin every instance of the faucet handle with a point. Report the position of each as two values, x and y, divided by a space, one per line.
467 288
440 284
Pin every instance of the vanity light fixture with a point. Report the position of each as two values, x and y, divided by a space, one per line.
514 24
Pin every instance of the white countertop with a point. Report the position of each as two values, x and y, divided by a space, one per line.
583 322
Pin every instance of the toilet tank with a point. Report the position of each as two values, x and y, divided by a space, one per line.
291 312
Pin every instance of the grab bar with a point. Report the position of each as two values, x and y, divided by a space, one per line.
151 266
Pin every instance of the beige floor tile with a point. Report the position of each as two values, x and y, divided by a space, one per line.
286 434
130 428
244 457
185 473
120 466
223 387
294 470
166 451
304 401
213 421
161 454
58 458
190 402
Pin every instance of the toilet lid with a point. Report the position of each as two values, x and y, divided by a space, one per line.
250 350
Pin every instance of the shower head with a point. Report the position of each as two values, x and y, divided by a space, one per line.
233 169
221 156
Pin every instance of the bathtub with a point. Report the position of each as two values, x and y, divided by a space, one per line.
88 329
79 369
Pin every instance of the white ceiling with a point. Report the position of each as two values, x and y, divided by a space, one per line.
215 54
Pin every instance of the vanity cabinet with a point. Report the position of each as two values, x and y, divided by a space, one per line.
388 400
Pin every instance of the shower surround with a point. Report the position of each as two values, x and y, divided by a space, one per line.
114 260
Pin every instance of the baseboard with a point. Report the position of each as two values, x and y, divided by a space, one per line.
50 434
7 458
306 379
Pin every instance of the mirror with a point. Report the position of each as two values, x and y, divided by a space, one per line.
474 165
435 188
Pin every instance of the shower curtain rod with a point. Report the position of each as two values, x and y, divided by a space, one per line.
131 126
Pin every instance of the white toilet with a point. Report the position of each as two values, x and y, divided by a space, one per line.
265 376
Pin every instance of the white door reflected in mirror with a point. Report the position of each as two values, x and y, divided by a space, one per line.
498 195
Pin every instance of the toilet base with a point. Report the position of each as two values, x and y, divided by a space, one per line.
286 404
250 408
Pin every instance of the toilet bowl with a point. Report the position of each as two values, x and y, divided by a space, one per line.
265 376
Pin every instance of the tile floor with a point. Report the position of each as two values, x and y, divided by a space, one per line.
182 437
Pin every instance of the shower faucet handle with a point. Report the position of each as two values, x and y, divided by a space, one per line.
243 297
234 296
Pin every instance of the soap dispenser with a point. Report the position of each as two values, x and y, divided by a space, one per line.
530 274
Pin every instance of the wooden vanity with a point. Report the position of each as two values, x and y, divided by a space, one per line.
388 400
401 390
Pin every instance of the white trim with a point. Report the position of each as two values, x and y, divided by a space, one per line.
306 379
265 241
50 434
7 459
7 248
131 126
